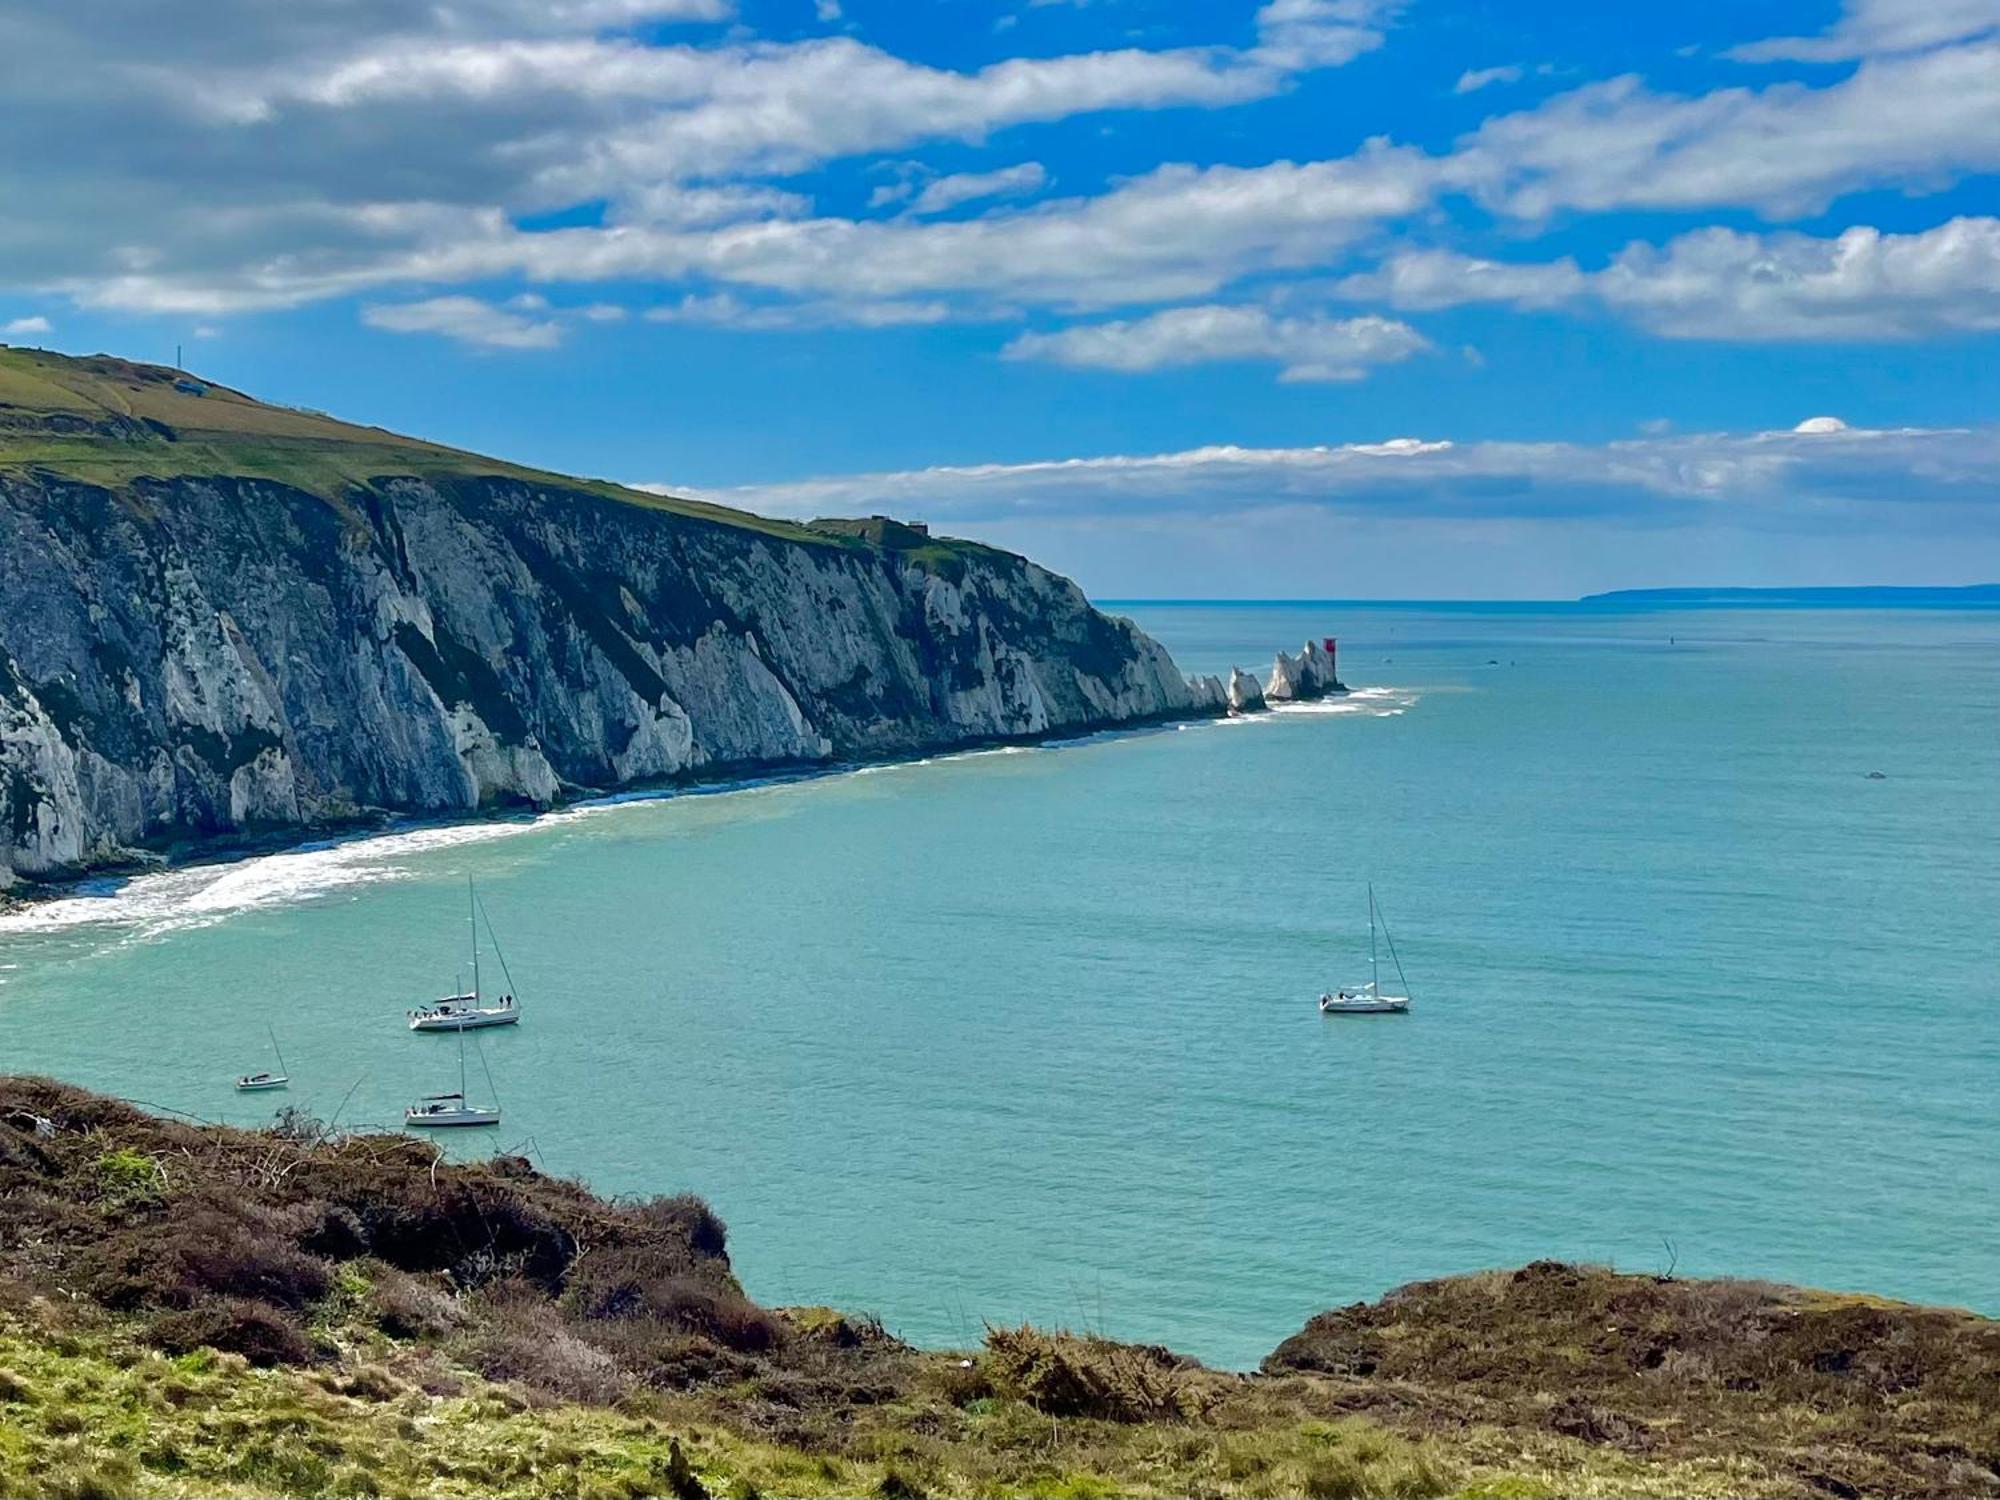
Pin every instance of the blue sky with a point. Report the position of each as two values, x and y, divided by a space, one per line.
1317 297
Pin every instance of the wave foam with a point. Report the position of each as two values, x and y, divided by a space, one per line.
175 900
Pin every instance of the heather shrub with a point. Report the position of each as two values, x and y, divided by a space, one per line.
1068 1376
200 1252
406 1306
234 1325
521 1338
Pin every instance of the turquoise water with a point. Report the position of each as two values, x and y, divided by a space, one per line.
1031 1034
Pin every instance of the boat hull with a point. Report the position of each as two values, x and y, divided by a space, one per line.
1364 1007
476 1020
261 1085
449 1118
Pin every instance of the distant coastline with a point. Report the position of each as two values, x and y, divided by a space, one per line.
1969 596
1966 596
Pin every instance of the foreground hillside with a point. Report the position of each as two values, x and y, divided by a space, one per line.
201 1311
220 617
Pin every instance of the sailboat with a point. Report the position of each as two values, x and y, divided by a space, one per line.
435 1111
1368 999
251 1083
468 1011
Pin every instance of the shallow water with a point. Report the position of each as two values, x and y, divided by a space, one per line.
1031 1033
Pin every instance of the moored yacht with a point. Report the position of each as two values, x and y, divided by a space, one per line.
1368 999
466 1012
437 1110
469 1010
253 1083
434 1111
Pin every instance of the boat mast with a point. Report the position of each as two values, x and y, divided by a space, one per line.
274 1047
1374 965
461 1067
472 905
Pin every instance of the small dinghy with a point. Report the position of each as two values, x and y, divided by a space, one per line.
255 1083
468 1011
435 1111
1368 999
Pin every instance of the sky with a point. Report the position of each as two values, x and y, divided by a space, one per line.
1312 298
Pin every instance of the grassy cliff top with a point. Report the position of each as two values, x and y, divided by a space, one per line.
197 1310
110 422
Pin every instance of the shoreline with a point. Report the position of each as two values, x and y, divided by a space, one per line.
233 849
238 847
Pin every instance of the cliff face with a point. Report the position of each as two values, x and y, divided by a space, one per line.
209 655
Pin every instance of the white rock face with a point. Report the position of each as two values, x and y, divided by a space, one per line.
230 655
1210 694
1308 675
1245 694
1284 683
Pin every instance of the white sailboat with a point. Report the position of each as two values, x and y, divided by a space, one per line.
252 1083
1368 999
435 1111
468 1011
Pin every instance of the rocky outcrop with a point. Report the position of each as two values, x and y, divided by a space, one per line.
1210 695
1305 676
206 657
1246 695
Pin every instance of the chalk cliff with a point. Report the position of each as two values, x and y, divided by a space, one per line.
219 617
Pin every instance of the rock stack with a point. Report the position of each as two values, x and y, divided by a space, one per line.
1305 676
1246 695
1294 679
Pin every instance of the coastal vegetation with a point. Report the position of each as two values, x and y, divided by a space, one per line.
194 1310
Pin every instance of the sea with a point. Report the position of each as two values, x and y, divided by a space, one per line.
1031 1034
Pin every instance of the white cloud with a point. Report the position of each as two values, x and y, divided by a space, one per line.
969 187
1725 284
1868 480
1870 28
415 140
827 10
1321 33
727 310
1474 79
1821 425
276 152
1309 349
1861 284
1917 122
468 320
35 324
764 108
1176 233
1421 280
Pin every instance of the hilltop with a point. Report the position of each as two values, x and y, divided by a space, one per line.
106 421
195 1310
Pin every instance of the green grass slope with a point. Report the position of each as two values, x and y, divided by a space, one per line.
112 422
